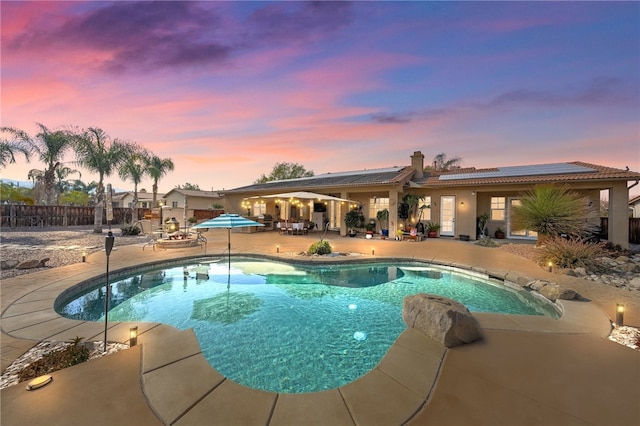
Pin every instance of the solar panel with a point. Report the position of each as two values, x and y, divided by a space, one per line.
515 171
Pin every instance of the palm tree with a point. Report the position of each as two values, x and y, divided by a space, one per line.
63 185
50 147
98 153
156 169
552 210
18 144
134 168
442 163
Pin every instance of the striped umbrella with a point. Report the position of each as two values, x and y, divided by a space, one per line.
227 220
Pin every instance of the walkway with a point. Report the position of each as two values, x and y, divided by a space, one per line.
526 370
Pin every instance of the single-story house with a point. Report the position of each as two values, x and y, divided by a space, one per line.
125 199
634 206
454 199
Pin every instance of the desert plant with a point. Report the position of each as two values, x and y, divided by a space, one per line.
571 253
383 218
482 223
487 242
432 227
57 360
192 220
130 229
320 247
552 210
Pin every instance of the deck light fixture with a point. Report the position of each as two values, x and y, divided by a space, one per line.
619 314
373 251
278 248
84 256
550 265
133 336
39 382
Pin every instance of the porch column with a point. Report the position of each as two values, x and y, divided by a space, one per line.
619 215
393 213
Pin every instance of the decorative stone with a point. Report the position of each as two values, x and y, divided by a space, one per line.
537 285
568 294
443 320
8 264
550 291
32 263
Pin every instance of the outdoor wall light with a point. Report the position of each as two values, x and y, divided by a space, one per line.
619 314
133 336
473 193
39 382
462 203
84 256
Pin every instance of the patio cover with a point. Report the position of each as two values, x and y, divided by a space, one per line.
303 195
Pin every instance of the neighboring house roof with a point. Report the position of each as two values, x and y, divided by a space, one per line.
192 193
387 176
540 173
142 196
635 200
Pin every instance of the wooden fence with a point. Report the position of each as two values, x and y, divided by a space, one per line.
16 216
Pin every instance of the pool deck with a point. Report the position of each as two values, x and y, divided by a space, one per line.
526 370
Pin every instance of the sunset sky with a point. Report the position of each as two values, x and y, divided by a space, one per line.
229 89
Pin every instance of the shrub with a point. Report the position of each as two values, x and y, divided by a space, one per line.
320 247
571 253
487 242
130 229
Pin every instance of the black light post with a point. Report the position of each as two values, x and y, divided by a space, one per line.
108 246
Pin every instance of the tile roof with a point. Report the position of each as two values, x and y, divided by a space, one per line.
387 176
192 193
542 173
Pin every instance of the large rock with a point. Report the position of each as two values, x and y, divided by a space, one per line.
33 263
443 320
8 264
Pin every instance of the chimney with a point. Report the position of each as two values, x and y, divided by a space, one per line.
417 162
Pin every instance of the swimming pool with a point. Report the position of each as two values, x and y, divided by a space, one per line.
291 328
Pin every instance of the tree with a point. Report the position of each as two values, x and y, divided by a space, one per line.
63 185
552 210
442 163
189 186
134 168
18 144
50 147
157 168
98 153
283 171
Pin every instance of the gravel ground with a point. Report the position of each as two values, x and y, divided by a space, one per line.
63 246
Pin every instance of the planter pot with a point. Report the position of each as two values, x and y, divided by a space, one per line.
432 234
353 234
499 235
384 233
464 237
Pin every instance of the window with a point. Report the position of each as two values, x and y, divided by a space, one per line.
377 204
174 204
498 205
259 208
426 212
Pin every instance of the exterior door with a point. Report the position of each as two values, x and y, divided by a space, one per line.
448 216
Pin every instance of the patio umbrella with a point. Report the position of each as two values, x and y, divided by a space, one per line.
227 220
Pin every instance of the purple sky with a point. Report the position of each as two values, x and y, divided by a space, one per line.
228 89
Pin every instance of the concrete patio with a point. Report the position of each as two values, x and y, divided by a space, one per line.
526 370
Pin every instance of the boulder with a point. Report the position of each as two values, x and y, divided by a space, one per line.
8 264
550 291
443 320
568 294
33 263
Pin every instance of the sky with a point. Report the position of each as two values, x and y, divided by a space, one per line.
229 89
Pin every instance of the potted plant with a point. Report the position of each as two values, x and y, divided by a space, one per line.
432 229
499 234
354 219
383 218
371 226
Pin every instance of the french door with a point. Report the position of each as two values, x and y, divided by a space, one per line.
448 216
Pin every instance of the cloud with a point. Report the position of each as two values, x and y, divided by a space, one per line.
149 36
599 91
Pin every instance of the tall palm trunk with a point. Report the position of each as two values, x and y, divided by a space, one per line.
97 215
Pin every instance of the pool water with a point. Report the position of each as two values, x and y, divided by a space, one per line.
291 328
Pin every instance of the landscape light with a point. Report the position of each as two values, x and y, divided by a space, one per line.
39 382
278 248
84 256
373 251
619 314
550 265
133 336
